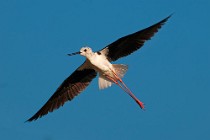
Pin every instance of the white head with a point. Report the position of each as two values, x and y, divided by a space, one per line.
84 51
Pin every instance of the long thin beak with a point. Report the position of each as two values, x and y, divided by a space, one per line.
74 53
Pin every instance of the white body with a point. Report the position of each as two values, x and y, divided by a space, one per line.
99 63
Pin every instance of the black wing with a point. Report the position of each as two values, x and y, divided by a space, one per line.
130 43
70 88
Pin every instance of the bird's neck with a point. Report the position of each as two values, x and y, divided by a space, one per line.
90 55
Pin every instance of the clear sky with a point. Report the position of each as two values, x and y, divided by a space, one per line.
170 74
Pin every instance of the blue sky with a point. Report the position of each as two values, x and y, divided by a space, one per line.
170 74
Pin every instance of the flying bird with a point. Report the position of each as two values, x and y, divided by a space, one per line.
100 63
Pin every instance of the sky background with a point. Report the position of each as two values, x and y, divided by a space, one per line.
170 74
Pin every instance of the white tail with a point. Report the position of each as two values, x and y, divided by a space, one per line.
119 69
103 83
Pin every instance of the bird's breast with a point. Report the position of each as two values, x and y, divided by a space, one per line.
100 63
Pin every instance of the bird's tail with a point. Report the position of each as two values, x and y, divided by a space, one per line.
120 69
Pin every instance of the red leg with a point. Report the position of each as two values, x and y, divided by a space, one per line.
141 104
126 89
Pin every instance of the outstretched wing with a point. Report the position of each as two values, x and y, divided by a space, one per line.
70 88
130 43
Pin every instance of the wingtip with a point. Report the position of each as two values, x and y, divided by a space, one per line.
30 120
162 22
27 121
33 118
169 16
166 19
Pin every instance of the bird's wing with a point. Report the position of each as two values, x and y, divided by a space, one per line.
70 88
130 43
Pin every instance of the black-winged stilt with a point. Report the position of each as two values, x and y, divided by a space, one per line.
99 62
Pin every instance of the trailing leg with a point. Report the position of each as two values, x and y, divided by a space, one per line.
126 89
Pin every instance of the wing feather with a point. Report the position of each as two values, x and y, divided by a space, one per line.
70 88
130 43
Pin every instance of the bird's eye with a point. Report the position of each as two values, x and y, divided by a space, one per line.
85 50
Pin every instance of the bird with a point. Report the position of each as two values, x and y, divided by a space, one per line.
99 62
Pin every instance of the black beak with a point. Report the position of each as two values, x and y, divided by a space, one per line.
74 53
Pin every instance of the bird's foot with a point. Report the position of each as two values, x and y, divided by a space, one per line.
141 104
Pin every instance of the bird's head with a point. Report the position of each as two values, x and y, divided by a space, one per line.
84 51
